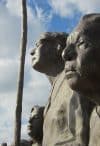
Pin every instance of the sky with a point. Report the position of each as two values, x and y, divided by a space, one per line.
43 15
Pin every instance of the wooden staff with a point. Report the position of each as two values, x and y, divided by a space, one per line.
23 44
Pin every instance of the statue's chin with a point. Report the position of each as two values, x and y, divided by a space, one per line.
73 83
30 134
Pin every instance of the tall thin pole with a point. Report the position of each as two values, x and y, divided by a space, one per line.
23 44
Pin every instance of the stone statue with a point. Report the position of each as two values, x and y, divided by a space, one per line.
46 57
82 67
50 62
66 113
35 127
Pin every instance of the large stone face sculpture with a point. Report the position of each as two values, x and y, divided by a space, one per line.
82 67
66 116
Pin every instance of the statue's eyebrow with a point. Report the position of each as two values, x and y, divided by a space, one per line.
73 38
78 39
37 43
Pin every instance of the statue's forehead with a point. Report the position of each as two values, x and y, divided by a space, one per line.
40 41
73 37
43 40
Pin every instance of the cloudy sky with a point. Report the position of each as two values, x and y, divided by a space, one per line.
43 15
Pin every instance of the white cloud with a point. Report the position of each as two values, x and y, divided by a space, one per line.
67 7
62 8
42 15
90 6
8 74
7 104
34 93
9 33
14 7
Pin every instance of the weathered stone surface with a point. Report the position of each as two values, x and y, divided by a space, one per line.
95 127
56 114
67 115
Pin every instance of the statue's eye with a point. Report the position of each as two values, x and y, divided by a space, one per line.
36 116
82 44
32 109
38 44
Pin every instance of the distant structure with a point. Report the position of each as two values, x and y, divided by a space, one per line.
23 143
3 144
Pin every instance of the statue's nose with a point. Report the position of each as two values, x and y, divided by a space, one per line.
64 54
69 53
32 52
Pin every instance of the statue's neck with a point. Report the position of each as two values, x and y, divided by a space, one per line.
54 72
52 79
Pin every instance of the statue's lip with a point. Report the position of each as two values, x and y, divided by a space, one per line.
69 66
70 72
70 69
29 127
33 58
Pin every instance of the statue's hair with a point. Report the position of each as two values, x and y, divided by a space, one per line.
90 26
60 37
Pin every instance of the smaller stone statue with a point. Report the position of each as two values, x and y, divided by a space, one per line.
35 127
